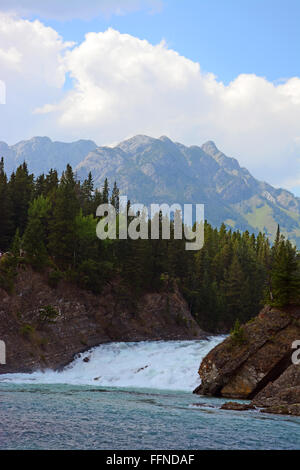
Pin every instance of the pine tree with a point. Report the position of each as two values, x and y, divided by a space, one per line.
62 236
51 183
97 201
86 195
114 200
39 187
35 236
16 247
234 290
285 275
105 192
21 191
6 221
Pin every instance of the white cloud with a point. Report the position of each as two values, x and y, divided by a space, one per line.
124 86
69 9
33 70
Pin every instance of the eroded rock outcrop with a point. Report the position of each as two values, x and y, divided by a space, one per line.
283 395
45 327
258 366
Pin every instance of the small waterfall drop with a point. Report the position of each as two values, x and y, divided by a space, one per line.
163 365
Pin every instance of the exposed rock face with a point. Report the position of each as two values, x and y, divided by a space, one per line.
261 367
82 320
283 392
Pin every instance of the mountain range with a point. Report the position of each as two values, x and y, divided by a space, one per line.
150 170
41 154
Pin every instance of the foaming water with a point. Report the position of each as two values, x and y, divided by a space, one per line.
163 365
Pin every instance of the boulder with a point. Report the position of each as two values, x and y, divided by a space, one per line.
233 405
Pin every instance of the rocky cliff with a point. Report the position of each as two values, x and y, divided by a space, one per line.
44 327
257 364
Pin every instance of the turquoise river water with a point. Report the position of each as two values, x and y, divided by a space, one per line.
131 396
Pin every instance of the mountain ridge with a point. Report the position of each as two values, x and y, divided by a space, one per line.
159 170
42 154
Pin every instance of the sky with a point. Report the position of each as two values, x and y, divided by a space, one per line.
195 70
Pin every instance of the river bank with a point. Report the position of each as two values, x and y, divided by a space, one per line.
45 327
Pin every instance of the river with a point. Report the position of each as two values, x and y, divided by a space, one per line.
132 396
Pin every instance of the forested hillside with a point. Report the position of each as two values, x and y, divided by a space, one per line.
49 223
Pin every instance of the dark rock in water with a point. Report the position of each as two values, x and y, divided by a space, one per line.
232 405
259 367
86 359
204 405
141 368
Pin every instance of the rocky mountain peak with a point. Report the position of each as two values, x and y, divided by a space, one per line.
228 163
41 140
210 148
136 143
166 139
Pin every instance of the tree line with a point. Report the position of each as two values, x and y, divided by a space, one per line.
49 222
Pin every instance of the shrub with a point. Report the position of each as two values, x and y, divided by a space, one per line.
27 330
237 334
54 277
93 276
8 272
48 314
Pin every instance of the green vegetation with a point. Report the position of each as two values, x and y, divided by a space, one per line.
50 224
8 272
54 277
284 287
27 330
237 334
261 217
48 314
